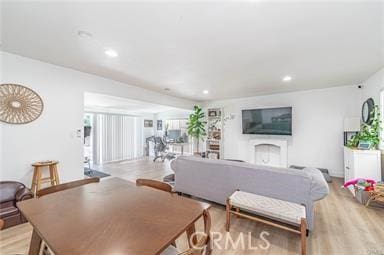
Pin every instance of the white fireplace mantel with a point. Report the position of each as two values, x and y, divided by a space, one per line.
280 144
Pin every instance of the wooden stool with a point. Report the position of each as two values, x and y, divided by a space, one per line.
37 179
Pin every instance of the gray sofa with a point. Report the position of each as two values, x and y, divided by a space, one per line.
216 180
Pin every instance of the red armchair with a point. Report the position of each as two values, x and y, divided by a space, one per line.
10 193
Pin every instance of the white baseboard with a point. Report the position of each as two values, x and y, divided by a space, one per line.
337 174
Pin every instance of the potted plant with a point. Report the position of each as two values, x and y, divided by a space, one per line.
196 126
368 133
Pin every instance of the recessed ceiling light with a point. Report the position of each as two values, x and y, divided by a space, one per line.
205 91
111 53
287 78
84 34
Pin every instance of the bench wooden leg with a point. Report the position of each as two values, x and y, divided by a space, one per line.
228 213
303 230
237 210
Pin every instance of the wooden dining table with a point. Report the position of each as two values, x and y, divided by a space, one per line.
111 217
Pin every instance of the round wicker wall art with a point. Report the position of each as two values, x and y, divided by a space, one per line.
19 104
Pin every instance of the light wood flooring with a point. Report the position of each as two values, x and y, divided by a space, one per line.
342 226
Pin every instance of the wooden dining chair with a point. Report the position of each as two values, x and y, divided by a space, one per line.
159 185
201 246
65 186
154 184
44 249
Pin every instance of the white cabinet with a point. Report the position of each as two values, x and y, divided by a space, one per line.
362 164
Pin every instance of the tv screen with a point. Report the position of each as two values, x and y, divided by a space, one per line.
174 134
268 121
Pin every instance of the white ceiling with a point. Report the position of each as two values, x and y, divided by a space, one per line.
231 48
94 102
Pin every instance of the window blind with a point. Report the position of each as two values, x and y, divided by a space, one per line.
117 137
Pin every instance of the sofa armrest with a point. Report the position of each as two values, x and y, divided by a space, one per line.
23 194
319 186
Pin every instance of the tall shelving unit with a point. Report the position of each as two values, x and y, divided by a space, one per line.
214 142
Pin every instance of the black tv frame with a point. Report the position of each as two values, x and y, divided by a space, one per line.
270 108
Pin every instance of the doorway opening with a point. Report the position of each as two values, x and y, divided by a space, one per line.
118 131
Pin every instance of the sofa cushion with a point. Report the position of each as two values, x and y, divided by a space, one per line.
8 211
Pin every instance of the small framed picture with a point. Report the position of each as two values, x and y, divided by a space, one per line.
212 113
148 123
364 145
159 125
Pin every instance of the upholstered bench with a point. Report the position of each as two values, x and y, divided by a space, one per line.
278 213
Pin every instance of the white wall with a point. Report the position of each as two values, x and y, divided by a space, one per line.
149 131
174 114
373 85
317 126
372 88
170 115
318 115
53 135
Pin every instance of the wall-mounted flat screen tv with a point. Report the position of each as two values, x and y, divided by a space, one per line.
268 121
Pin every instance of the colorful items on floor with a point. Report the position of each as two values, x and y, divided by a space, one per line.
360 184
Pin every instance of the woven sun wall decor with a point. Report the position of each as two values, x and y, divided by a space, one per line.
19 104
